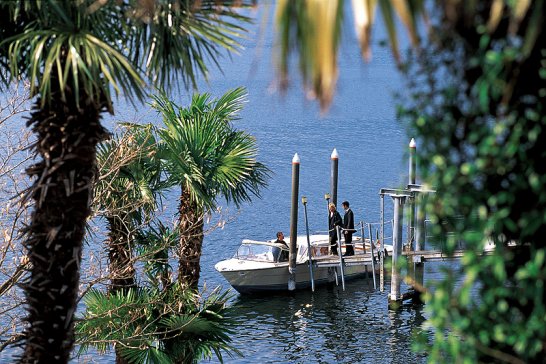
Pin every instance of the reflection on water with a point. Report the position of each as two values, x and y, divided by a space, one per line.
328 326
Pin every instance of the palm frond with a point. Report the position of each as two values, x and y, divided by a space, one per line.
189 324
364 14
311 29
153 245
154 326
207 156
144 354
131 179
230 104
183 36
390 23
88 48
59 51
204 335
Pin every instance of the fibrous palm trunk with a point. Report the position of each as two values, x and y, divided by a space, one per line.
122 271
66 141
189 253
191 241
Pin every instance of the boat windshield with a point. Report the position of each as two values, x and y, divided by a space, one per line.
259 253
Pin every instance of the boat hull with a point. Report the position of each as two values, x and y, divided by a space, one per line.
275 278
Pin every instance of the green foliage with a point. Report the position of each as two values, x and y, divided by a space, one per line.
131 176
477 106
157 326
160 321
209 159
311 31
153 245
206 154
76 45
74 53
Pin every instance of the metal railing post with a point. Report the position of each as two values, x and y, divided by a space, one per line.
338 231
310 258
372 255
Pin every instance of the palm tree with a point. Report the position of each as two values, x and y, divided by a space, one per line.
74 53
158 326
210 160
161 321
127 193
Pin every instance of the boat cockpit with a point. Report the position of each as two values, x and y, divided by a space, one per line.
260 251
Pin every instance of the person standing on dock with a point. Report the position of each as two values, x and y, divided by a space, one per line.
334 220
348 228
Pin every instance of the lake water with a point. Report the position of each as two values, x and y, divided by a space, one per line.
330 325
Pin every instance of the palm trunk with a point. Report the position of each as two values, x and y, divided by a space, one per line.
122 271
66 140
189 252
191 241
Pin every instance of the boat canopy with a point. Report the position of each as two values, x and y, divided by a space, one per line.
316 240
268 243
269 251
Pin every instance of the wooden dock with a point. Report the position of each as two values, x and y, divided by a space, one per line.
436 255
431 255
333 260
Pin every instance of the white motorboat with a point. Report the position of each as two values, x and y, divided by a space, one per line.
262 266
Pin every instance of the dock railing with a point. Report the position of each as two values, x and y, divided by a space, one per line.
369 233
383 235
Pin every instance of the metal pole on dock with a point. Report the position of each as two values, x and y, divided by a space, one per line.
363 238
411 181
294 223
372 254
309 255
420 236
382 245
364 246
334 175
327 198
420 223
395 296
342 270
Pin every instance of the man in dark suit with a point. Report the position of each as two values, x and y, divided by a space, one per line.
349 228
334 220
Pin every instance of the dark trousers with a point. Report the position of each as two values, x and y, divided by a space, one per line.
333 245
349 248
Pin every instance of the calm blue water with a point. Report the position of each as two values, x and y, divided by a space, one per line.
331 325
